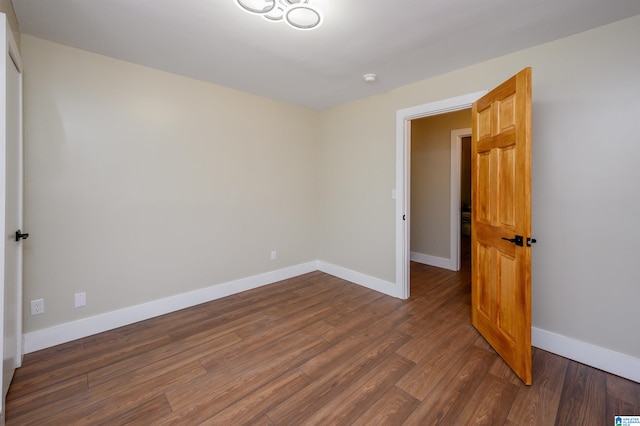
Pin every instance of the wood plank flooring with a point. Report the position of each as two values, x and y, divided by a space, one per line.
311 350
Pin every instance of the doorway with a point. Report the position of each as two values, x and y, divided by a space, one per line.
437 187
460 192
403 174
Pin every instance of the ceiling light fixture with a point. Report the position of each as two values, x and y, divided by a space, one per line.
298 14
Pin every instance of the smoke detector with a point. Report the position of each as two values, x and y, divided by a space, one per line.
370 78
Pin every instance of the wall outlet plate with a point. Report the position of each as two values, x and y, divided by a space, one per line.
80 299
37 307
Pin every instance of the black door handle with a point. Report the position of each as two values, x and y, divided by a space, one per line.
21 236
518 240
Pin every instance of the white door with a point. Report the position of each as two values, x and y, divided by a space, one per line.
11 200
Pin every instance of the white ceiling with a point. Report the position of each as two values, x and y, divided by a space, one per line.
402 41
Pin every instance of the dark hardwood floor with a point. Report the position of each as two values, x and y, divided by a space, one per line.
311 350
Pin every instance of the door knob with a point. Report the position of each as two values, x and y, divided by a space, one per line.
518 240
21 236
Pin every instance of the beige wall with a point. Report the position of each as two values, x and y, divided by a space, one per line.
431 181
355 191
141 184
586 146
6 7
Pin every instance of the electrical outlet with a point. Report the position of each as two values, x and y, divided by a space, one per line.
80 299
37 307
274 255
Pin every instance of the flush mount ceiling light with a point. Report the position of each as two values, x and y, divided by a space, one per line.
298 14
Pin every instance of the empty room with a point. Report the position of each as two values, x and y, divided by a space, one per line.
221 212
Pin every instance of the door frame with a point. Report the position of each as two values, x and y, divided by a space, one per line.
403 176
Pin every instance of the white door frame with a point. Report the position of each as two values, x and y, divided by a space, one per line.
403 174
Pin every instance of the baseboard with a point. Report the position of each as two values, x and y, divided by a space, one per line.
439 262
595 356
41 339
373 283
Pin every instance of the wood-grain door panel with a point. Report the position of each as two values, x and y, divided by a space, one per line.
501 209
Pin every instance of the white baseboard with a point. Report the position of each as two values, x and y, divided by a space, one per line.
604 359
595 356
67 332
439 262
373 283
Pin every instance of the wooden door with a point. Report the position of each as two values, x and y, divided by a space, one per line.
501 215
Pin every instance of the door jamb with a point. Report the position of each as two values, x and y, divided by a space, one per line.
403 174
